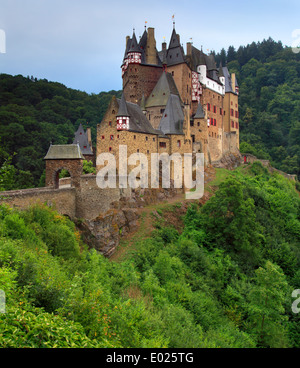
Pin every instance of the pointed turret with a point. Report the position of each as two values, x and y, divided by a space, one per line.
134 53
81 138
175 53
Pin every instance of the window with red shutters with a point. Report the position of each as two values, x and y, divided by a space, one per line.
208 107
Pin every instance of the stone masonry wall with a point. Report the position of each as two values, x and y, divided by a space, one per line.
63 200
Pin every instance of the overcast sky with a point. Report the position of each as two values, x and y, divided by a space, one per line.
81 43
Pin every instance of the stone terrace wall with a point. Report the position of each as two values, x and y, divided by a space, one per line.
63 200
88 201
91 201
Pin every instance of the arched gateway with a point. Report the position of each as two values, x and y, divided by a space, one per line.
68 157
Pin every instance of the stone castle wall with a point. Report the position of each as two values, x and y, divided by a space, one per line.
86 202
63 200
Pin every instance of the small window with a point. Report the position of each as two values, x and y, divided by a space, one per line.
84 147
146 138
148 152
178 143
110 149
162 144
111 137
134 137
103 137
109 123
113 112
118 136
153 139
137 150
208 107
198 123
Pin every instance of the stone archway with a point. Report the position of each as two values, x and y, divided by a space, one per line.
56 177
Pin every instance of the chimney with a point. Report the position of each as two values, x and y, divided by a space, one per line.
151 48
89 136
233 81
189 48
127 39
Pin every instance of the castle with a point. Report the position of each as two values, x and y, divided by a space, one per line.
172 101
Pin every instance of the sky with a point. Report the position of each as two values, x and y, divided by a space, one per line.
81 43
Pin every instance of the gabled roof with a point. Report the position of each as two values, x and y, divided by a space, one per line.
122 107
175 53
138 122
81 138
228 87
64 152
199 113
162 91
173 117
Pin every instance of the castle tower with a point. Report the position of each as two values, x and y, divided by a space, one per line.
141 68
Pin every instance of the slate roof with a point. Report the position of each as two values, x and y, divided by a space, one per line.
162 91
64 152
199 113
138 122
123 111
175 52
134 46
82 139
228 86
173 117
200 58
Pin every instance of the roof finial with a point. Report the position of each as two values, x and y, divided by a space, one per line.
145 25
173 17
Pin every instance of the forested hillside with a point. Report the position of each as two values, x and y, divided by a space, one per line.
225 281
269 84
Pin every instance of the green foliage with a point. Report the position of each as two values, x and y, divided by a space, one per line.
268 77
34 113
225 281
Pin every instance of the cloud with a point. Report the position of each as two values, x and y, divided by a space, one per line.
81 43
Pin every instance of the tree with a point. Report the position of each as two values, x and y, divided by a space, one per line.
266 307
